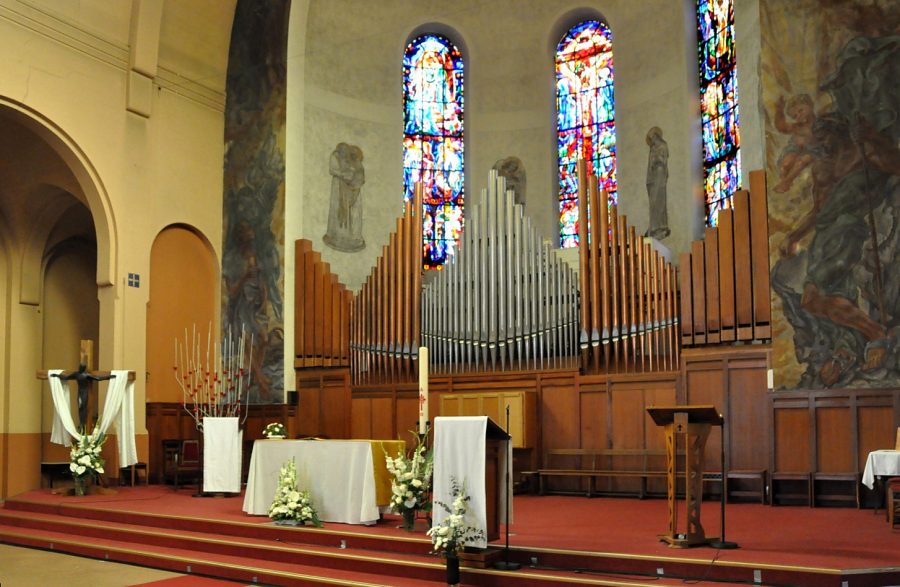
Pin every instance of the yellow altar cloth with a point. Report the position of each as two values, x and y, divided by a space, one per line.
382 477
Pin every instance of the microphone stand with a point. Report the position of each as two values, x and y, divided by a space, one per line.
505 565
721 543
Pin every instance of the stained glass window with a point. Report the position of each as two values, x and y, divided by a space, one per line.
718 105
433 141
585 122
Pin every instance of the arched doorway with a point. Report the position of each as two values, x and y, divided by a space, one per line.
183 302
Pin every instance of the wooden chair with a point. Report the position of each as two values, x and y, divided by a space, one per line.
187 460
893 501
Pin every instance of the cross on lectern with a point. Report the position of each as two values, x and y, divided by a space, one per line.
84 376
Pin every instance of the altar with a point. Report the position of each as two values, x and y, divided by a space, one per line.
339 474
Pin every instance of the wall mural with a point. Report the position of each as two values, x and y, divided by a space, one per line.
253 207
830 70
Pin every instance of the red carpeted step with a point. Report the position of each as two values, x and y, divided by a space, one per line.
209 564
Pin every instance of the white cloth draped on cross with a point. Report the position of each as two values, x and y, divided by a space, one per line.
119 407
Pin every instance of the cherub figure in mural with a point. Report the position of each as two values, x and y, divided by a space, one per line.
795 117
344 231
851 179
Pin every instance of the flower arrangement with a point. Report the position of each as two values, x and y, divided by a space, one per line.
452 534
85 460
410 481
291 506
275 430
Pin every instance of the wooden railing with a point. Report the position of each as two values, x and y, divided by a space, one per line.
725 277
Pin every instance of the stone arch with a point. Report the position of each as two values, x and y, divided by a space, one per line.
85 174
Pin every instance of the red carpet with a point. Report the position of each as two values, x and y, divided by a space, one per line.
614 534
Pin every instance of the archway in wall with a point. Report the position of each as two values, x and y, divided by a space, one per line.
183 302
55 214
71 313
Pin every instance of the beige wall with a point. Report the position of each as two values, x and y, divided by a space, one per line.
65 74
183 273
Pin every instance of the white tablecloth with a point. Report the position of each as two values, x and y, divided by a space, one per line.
881 463
337 473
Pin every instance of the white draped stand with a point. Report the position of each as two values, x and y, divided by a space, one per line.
459 452
222 455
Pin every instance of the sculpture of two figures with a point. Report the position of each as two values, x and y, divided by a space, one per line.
344 231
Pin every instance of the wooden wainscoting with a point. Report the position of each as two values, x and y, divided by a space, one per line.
170 421
324 402
821 438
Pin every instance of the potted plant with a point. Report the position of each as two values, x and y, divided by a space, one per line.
85 461
275 430
292 507
451 535
410 482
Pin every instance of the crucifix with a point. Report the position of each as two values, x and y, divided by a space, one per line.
84 376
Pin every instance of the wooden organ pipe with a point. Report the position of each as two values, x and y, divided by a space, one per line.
725 293
628 292
386 315
322 323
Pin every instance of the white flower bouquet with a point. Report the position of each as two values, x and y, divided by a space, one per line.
290 505
410 480
85 460
454 531
275 430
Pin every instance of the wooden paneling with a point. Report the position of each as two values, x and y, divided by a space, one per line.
831 431
594 419
361 418
876 429
324 402
170 421
834 443
522 411
734 381
747 424
792 432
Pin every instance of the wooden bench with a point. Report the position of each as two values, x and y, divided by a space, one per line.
599 465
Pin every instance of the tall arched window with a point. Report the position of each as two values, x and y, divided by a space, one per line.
433 140
585 121
718 105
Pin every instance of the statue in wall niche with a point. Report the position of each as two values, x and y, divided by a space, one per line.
344 231
513 170
657 177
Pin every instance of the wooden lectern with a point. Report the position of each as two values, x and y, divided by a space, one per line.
496 440
686 426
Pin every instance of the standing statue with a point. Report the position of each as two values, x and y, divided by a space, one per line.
344 231
513 170
83 378
657 176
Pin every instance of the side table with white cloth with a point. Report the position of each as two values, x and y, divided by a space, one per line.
338 474
881 463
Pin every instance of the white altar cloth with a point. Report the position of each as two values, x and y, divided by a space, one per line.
881 463
338 474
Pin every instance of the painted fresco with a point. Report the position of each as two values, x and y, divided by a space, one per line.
253 208
831 95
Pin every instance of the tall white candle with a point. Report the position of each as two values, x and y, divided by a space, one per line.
423 389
